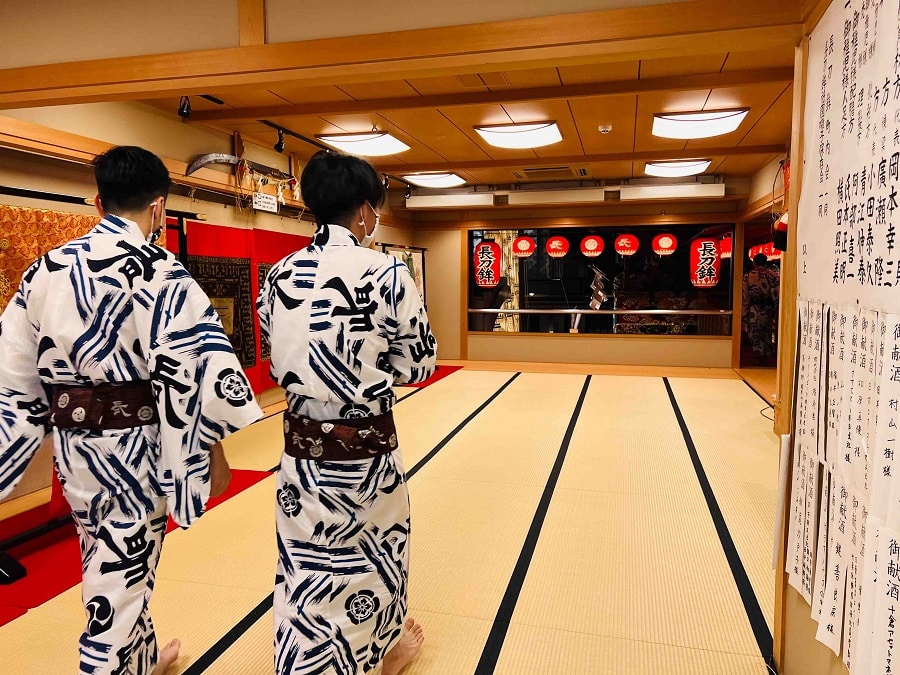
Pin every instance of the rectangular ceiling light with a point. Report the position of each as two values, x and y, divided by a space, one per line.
518 136
460 201
435 180
690 167
368 144
583 196
698 124
684 191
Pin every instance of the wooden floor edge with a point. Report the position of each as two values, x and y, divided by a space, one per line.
595 369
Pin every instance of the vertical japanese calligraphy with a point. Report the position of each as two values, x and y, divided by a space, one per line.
848 360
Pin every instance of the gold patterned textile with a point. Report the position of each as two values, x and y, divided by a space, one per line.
26 234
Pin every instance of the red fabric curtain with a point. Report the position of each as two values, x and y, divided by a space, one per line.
260 249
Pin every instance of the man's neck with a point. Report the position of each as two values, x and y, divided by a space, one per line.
142 220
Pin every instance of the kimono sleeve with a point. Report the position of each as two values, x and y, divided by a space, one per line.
24 410
413 349
202 394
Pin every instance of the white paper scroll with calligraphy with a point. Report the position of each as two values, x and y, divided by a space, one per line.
849 382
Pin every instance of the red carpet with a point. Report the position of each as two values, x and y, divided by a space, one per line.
439 374
53 560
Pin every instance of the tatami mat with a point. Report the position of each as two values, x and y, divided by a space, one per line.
740 455
257 448
628 549
628 575
540 651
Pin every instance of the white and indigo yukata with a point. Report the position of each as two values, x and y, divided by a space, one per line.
345 324
111 308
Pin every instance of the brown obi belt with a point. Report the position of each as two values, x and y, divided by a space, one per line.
339 440
103 406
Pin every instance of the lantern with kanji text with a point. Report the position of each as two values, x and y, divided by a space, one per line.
627 244
488 259
706 265
557 247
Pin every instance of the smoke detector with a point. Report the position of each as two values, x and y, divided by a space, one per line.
604 128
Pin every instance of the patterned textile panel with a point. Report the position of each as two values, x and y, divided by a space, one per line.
26 234
265 349
227 283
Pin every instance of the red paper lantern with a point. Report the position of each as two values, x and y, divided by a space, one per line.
557 247
626 244
488 258
664 244
725 247
523 247
768 250
706 264
592 246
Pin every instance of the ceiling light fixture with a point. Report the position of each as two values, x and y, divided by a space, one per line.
698 124
690 167
279 146
518 136
184 107
368 144
435 180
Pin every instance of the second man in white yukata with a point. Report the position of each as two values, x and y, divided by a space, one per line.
345 324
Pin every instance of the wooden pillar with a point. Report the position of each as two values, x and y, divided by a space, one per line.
787 331
737 265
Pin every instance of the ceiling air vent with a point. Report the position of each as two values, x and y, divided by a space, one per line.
551 173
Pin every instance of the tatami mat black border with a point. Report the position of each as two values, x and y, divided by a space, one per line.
462 425
226 641
494 644
748 596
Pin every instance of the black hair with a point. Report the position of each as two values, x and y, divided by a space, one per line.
333 186
760 259
129 178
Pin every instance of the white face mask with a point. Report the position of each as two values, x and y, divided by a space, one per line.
367 240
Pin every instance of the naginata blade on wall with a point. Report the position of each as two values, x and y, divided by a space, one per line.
224 158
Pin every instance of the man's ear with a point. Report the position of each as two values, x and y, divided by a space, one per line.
98 204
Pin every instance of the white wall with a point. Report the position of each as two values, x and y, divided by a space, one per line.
762 181
443 275
56 31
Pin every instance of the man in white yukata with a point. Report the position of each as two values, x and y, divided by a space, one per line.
111 342
345 324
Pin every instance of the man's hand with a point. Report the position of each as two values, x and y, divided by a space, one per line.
219 471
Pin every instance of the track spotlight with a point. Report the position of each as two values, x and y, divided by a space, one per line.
408 191
184 107
279 146
386 182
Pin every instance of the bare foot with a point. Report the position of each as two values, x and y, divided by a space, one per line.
167 656
404 651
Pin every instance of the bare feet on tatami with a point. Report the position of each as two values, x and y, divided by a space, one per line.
404 651
167 656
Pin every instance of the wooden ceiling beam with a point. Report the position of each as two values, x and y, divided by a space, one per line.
681 83
649 155
252 22
693 26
